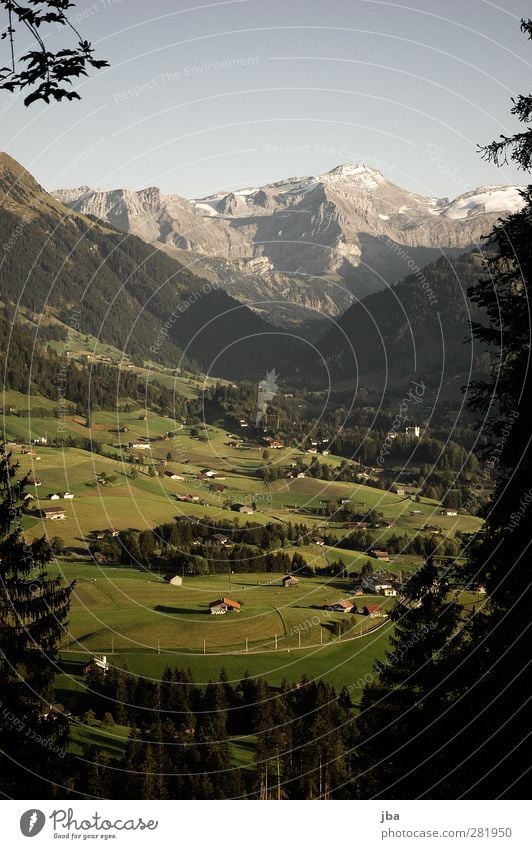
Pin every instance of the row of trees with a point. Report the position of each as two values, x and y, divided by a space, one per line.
179 746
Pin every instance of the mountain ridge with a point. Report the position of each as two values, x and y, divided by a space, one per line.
313 242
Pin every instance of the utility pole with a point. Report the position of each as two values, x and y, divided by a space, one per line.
246 645
276 642
204 645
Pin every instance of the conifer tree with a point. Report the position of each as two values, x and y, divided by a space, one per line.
473 711
493 743
396 750
33 614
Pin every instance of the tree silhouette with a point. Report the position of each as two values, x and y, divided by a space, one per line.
33 612
495 746
464 730
46 73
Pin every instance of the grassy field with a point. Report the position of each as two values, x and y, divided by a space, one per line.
343 663
128 610
147 625
143 501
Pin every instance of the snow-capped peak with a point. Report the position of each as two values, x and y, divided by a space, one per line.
350 169
485 199
353 175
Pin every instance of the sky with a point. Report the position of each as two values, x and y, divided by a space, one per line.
211 96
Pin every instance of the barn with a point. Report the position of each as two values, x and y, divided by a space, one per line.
374 611
54 515
379 554
222 605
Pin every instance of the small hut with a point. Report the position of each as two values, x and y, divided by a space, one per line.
290 581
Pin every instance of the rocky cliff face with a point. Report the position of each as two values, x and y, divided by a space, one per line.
316 242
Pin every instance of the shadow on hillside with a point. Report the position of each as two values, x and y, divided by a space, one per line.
162 608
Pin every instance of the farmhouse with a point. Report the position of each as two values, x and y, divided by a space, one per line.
374 611
35 481
379 554
174 476
53 496
390 592
68 495
222 605
318 540
379 588
273 443
290 581
139 446
53 514
449 512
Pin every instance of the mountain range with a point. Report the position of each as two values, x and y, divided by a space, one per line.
61 262
304 243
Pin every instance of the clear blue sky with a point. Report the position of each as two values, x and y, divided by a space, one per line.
203 96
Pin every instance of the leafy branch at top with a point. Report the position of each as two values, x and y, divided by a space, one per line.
44 72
